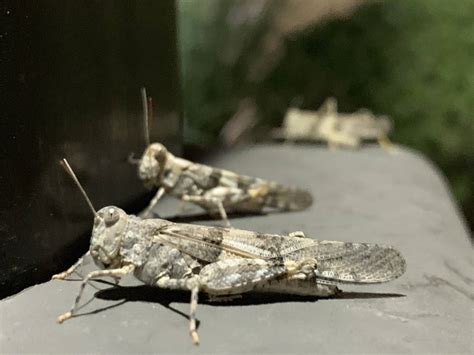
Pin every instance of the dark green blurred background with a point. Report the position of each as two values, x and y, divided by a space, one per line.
248 60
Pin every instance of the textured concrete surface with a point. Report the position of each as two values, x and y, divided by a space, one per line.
364 196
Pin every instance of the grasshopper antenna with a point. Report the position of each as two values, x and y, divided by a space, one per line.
69 170
146 114
150 117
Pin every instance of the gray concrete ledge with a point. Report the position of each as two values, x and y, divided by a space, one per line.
363 196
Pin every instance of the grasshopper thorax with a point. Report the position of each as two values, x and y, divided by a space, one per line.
110 224
152 164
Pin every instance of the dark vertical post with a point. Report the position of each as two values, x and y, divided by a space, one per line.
71 78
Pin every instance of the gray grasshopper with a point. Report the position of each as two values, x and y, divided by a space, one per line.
337 129
225 261
213 189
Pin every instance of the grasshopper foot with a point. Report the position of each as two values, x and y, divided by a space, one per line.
64 317
195 337
60 276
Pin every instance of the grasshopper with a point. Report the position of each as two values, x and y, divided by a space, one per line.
213 189
223 261
337 129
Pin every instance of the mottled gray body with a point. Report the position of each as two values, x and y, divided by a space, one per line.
223 261
337 129
215 190
227 261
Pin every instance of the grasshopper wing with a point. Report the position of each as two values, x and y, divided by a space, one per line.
336 262
358 263
211 244
251 193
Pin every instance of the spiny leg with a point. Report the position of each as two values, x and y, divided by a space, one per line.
191 284
68 272
237 276
215 201
386 144
222 212
298 287
154 201
116 273
192 315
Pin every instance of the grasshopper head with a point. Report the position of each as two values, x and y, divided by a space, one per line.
109 226
152 164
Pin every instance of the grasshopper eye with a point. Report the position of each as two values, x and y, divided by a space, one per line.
111 216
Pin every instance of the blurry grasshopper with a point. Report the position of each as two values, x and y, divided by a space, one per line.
337 129
226 261
215 190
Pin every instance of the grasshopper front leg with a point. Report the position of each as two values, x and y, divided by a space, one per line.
68 272
115 273
154 201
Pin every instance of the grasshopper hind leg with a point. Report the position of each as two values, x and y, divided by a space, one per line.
188 284
192 315
298 287
206 202
387 145
222 212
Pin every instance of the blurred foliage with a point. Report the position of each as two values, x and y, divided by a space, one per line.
409 59
217 38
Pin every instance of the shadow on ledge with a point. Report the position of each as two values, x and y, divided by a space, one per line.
165 297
